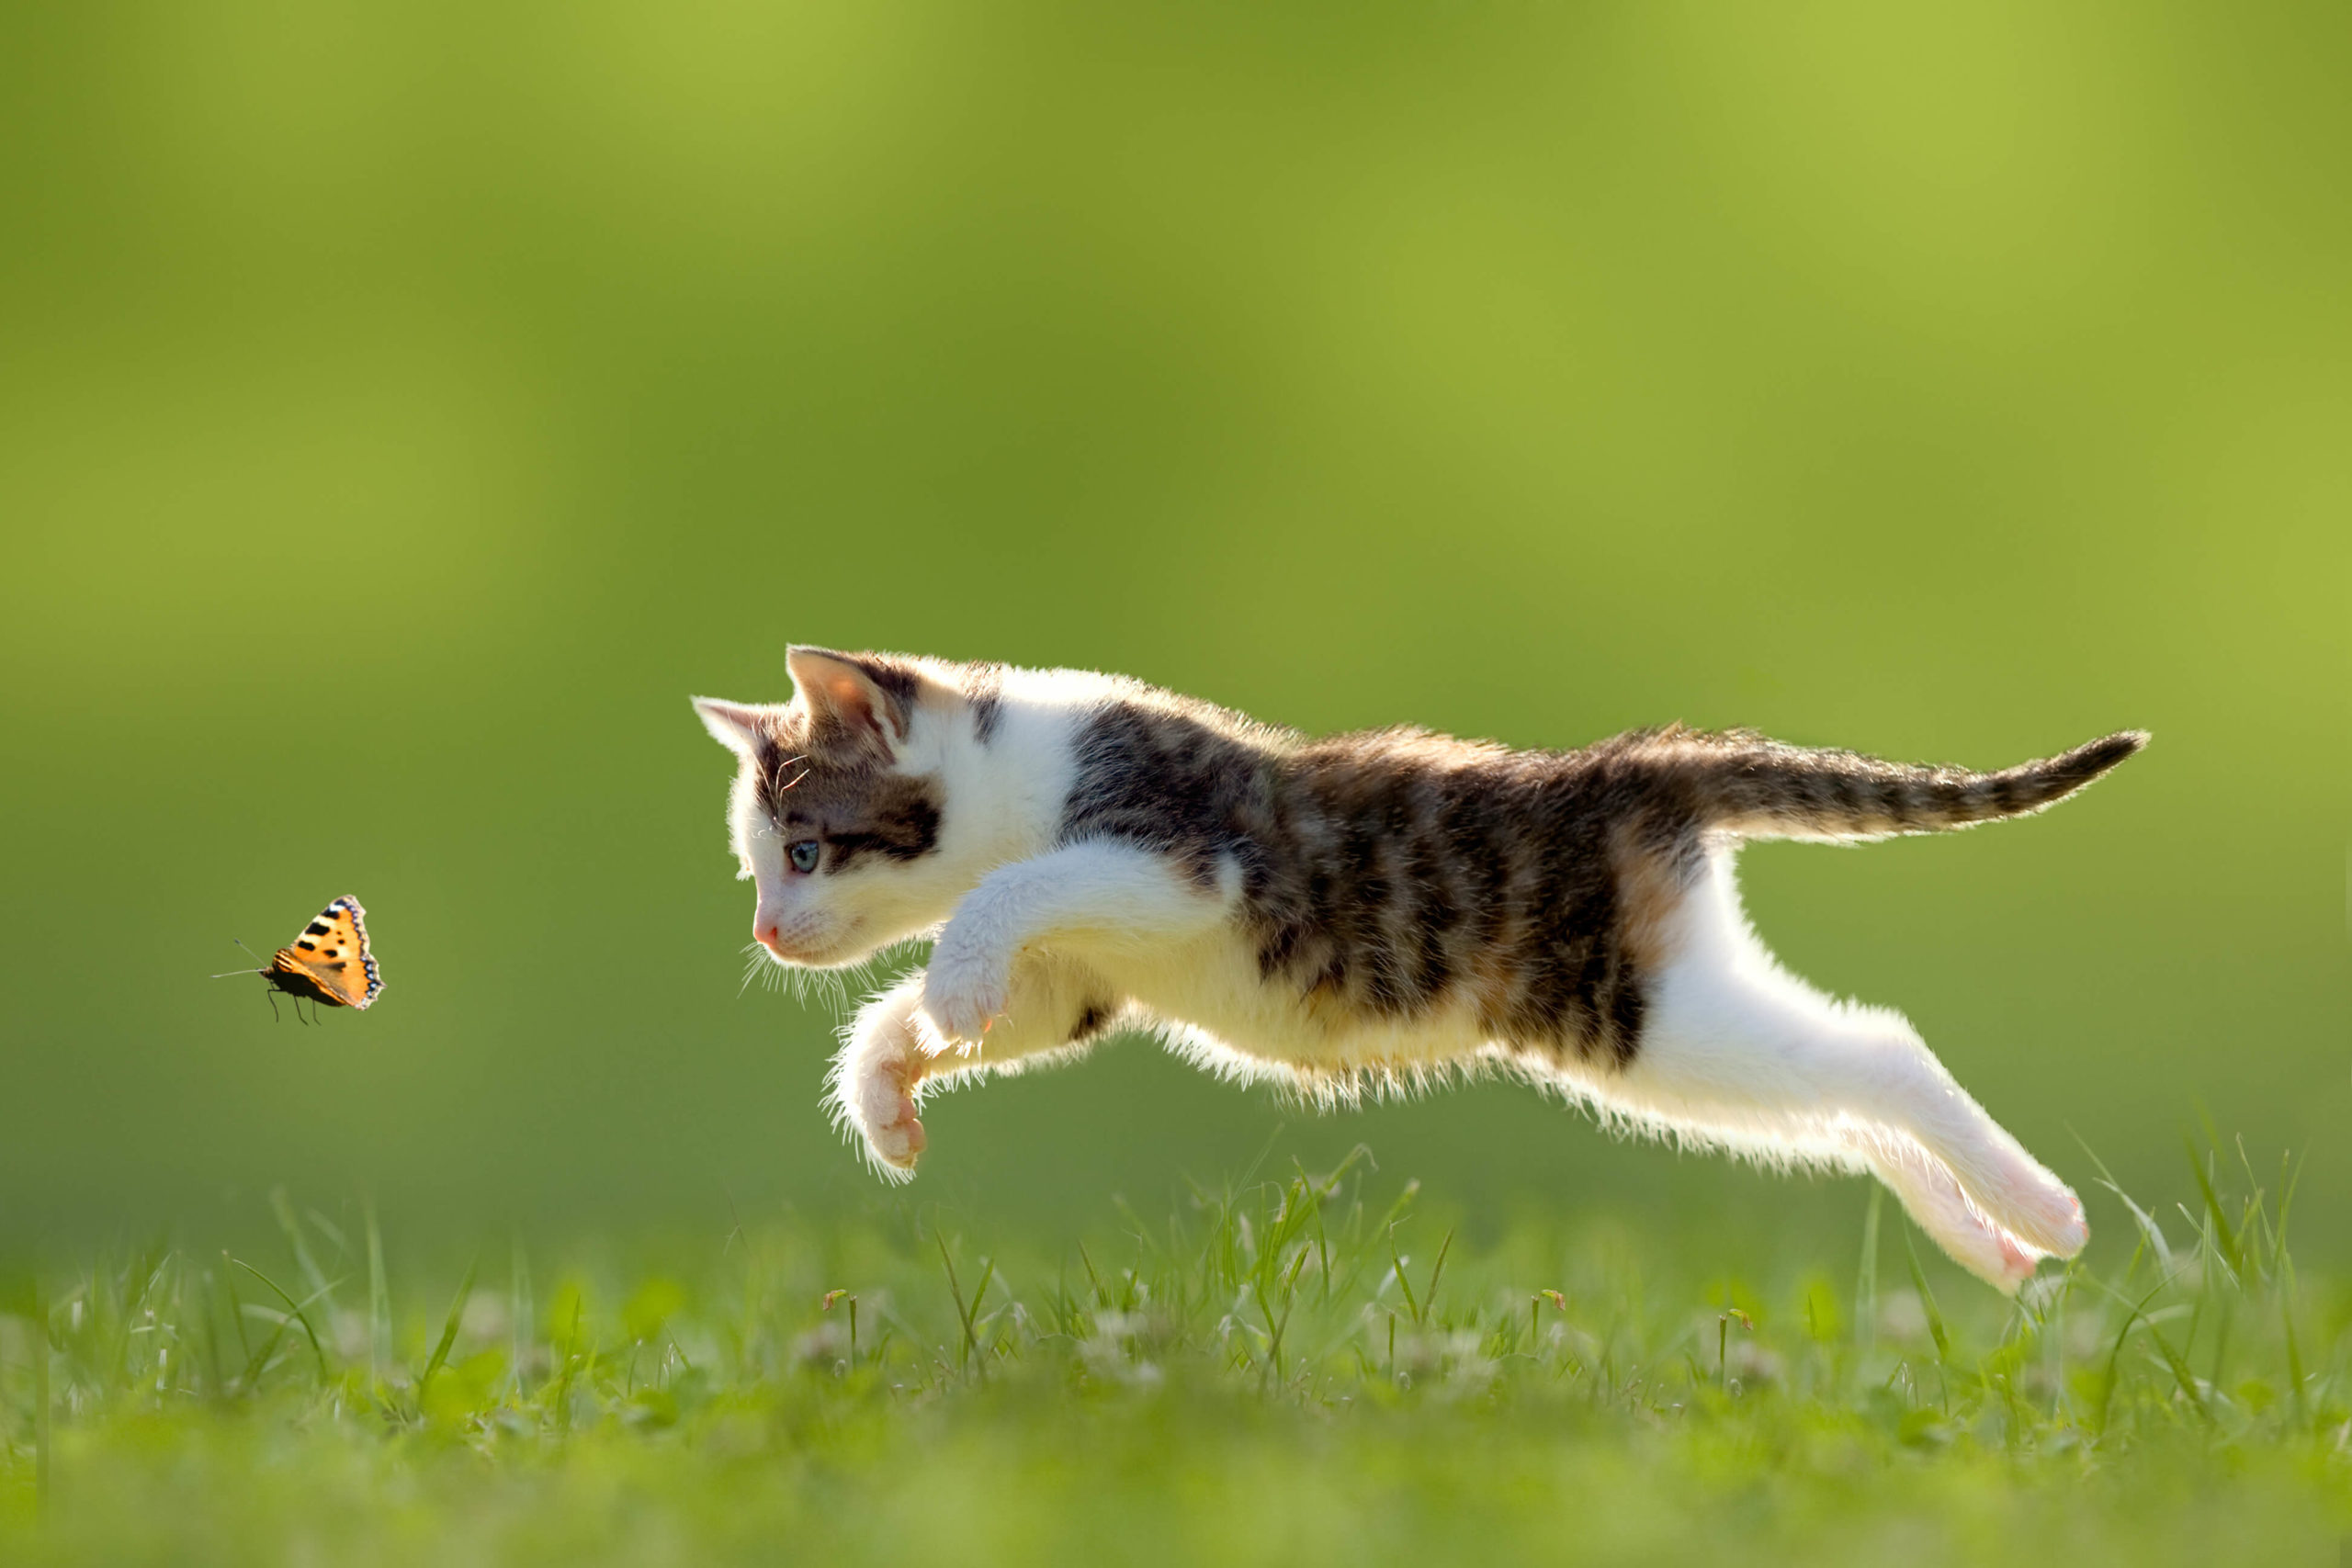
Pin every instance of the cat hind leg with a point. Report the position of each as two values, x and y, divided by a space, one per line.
1901 1120
1737 1051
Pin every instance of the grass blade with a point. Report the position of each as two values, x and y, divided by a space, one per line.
379 1300
520 1339
2182 1375
448 1329
2149 1230
1927 1299
40 1348
2218 1221
1437 1270
2283 1270
963 1313
2135 1312
1396 1267
1866 1275
313 1277
293 1307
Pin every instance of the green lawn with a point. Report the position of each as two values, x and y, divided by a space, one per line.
1294 1371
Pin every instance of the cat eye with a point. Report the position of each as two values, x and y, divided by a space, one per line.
803 855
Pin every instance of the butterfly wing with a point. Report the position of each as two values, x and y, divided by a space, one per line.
331 955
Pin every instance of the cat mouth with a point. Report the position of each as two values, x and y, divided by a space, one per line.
786 949
809 950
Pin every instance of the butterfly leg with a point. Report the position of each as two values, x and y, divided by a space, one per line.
270 995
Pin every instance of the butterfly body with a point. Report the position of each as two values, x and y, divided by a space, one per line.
329 962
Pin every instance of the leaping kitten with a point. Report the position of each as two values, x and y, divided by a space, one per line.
1372 910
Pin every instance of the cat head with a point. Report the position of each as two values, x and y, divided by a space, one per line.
840 816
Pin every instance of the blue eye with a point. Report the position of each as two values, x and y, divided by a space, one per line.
803 855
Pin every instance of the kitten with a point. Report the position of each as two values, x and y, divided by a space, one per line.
1369 911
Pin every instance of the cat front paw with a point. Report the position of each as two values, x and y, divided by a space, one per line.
963 1000
874 1083
897 1142
882 1106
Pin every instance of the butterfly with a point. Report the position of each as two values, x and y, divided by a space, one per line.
329 962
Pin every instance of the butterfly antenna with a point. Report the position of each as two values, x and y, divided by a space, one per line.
249 953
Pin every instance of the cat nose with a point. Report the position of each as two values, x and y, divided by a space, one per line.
763 931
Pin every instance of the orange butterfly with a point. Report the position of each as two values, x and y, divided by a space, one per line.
326 962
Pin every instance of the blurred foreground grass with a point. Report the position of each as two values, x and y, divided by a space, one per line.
1296 1371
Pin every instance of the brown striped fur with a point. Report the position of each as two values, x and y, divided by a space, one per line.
1762 789
1366 911
1391 874
1397 871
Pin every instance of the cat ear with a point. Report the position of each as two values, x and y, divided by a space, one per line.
870 698
732 725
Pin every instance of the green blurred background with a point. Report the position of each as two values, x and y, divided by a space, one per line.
402 408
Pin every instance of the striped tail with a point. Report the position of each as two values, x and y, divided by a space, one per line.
1761 789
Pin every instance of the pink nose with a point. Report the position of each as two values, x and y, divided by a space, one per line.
764 933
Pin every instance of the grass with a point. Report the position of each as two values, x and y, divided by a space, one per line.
1310 1370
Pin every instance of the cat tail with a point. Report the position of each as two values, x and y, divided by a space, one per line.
1761 789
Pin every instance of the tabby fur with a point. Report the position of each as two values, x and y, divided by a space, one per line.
1364 912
